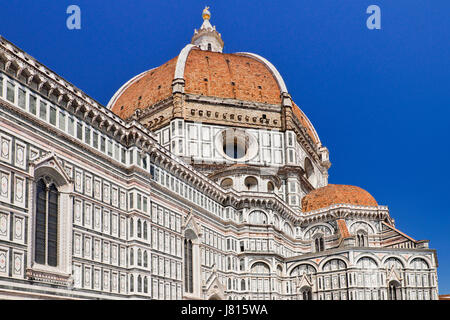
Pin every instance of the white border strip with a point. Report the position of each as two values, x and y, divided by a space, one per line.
271 67
124 87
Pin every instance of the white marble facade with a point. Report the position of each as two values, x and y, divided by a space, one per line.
128 203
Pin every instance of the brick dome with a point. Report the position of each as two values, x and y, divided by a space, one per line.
336 194
241 76
207 73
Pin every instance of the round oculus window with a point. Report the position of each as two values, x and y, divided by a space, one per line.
236 144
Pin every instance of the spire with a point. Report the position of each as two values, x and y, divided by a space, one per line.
207 38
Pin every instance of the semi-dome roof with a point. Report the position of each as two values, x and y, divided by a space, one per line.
337 194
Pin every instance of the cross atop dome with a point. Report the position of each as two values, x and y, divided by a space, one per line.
207 38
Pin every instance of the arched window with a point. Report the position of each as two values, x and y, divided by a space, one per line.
145 284
226 183
209 46
131 256
334 264
131 227
251 183
188 266
139 280
145 259
257 217
243 285
46 235
270 187
145 230
319 244
139 228
139 257
131 283
279 271
362 239
242 264
393 263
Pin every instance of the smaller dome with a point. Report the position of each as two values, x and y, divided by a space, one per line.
337 194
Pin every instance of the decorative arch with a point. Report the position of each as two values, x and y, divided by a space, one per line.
419 262
258 217
303 266
367 262
369 255
334 264
263 267
401 260
310 263
326 260
325 229
191 251
361 225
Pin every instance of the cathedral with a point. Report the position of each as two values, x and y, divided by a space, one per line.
201 179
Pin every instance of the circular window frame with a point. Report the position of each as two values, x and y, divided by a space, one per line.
251 148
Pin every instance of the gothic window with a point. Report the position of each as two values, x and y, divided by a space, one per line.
362 239
319 244
209 46
139 254
131 227
46 236
145 259
145 284
145 230
188 266
243 284
139 280
131 283
131 256
242 264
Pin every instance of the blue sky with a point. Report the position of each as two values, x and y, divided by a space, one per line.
379 99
